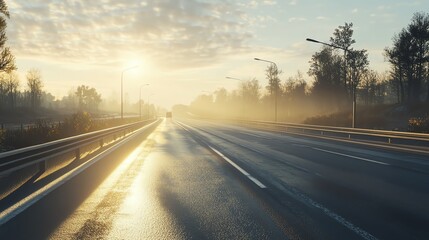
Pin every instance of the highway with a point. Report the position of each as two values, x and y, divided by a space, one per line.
194 179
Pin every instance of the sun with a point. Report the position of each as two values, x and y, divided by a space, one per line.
136 65
131 64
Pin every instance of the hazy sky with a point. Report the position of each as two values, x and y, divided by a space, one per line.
186 47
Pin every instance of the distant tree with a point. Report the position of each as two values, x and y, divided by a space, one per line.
368 87
11 82
409 58
88 98
34 83
70 101
295 88
7 60
395 58
3 90
47 100
221 97
343 37
295 95
272 74
384 93
251 91
203 105
328 90
358 64
330 68
419 31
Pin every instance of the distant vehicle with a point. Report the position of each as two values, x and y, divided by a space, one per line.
169 115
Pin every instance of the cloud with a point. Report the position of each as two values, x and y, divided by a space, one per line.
269 2
297 19
173 33
256 3
293 2
355 10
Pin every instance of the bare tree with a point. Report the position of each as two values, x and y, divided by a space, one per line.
7 60
11 82
34 83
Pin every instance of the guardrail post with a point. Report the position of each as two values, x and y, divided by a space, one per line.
389 140
321 133
101 143
350 136
77 152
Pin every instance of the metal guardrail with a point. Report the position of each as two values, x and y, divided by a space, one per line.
39 154
390 137
53 123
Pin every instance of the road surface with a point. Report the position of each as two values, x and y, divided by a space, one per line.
194 179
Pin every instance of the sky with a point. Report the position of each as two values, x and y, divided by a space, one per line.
184 48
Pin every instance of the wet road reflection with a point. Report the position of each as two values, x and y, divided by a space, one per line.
170 187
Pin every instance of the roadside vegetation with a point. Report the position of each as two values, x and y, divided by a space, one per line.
45 131
397 99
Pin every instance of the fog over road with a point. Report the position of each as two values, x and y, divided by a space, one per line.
209 180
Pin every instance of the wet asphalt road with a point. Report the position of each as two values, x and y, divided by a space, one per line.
204 180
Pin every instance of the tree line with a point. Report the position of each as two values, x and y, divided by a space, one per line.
10 95
409 58
339 75
83 98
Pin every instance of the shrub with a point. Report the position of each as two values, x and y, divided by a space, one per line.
44 131
78 123
419 124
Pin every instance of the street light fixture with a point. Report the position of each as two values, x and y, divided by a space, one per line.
345 75
276 92
234 78
122 89
140 99
327 44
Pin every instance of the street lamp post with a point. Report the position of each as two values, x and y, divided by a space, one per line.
345 75
122 89
140 100
276 92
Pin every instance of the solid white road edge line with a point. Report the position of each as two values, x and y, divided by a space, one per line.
256 181
350 156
